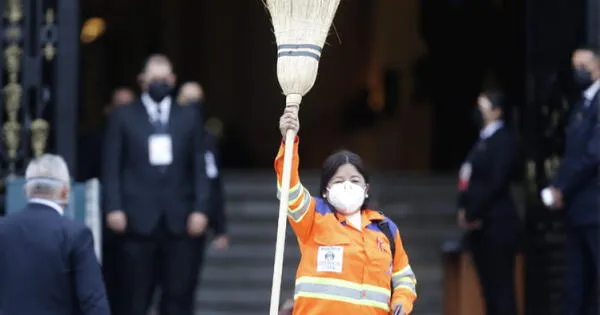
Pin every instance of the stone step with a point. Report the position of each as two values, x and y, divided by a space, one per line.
268 211
263 253
397 193
240 299
265 235
216 274
215 293
382 185
238 280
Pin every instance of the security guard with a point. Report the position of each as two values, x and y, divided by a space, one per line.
576 188
486 209
353 262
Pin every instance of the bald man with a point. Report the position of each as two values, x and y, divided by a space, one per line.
156 194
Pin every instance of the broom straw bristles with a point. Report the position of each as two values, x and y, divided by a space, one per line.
301 28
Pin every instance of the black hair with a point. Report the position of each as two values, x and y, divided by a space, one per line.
334 162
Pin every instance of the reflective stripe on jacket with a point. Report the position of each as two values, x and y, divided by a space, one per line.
344 270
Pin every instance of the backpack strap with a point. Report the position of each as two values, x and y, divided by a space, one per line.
385 228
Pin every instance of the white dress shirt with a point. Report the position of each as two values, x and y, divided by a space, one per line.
48 203
490 129
152 108
591 92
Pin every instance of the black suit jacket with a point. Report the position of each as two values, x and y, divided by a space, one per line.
218 220
488 196
577 176
140 189
48 265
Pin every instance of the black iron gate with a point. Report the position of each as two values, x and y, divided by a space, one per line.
38 75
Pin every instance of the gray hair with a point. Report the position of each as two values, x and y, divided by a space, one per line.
46 177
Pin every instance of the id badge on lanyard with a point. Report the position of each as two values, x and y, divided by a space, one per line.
160 149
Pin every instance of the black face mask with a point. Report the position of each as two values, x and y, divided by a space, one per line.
582 77
478 118
193 104
159 90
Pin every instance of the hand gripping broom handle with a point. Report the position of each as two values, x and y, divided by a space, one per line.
292 100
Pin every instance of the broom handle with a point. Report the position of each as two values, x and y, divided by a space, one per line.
282 221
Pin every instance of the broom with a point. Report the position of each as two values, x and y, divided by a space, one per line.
300 27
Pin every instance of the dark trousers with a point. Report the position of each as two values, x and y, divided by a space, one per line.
581 290
110 267
171 262
495 264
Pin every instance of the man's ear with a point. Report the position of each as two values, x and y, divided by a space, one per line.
172 79
65 193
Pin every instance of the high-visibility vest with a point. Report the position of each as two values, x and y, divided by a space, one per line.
344 270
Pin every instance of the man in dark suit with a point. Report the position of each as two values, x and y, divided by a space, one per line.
576 188
487 210
156 194
191 94
48 263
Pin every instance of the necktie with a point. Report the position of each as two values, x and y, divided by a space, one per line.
160 127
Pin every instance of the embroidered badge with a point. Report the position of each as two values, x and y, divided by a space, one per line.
330 258
380 244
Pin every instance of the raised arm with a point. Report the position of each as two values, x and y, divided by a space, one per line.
301 206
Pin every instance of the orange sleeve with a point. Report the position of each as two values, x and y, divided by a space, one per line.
403 279
301 206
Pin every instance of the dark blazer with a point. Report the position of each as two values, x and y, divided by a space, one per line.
218 219
143 191
577 175
488 197
48 265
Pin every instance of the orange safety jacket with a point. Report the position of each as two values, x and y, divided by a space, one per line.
344 270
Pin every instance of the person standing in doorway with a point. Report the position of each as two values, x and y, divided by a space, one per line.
192 94
576 189
487 211
156 194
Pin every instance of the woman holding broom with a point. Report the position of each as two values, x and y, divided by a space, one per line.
353 261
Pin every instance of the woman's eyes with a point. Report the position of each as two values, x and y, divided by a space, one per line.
354 181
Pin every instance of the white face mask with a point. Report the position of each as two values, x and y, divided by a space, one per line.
346 197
